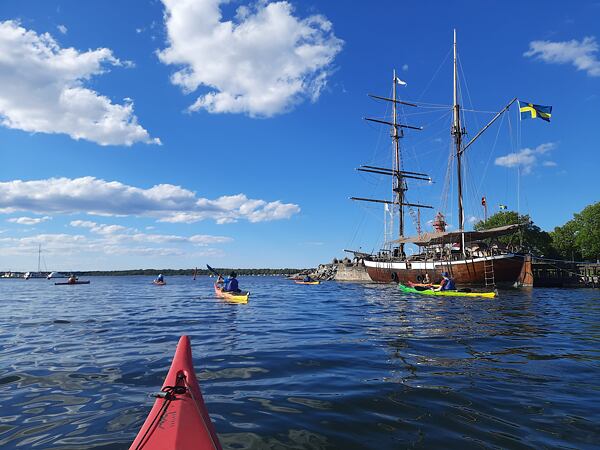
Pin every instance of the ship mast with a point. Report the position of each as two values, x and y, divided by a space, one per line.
398 185
398 175
458 132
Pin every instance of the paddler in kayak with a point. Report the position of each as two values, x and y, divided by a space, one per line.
308 279
72 279
230 284
160 278
446 284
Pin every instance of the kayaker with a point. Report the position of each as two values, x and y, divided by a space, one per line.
447 283
230 284
307 279
72 279
160 278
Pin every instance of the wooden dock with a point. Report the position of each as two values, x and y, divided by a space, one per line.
555 273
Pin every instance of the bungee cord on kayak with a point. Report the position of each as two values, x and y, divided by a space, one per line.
166 394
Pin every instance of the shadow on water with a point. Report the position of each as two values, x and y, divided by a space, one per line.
302 367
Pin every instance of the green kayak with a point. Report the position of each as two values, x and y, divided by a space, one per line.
411 290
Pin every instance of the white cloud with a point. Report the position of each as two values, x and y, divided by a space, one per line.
526 158
119 234
108 239
97 227
63 29
582 54
165 202
42 90
549 164
28 220
405 67
73 245
262 63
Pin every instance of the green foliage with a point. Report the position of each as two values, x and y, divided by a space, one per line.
500 219
579 238
531 237
563 240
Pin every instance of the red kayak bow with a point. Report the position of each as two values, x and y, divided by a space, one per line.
179 419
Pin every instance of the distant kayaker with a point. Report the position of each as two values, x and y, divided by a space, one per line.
307 279
447 283
230 284
72 279
160 278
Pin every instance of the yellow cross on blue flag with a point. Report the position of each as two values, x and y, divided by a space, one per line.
531 111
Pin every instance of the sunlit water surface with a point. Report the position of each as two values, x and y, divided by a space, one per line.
335 366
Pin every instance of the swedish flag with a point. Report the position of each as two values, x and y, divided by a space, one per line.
531 111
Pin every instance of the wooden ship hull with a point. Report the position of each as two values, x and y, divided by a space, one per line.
471 271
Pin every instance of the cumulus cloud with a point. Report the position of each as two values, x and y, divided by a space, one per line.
76 245
581 54
165 202
98 228
42 90
28 220
526 158
261 63
118 233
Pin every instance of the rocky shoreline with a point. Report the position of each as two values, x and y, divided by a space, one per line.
338 270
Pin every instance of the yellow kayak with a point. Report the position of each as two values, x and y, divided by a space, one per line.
241 297
307 282
412 290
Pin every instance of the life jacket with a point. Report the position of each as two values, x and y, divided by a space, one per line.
449 285
231 284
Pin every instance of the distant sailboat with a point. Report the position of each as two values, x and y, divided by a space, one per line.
39 273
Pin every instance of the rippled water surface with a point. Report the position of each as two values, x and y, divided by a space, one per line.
301 367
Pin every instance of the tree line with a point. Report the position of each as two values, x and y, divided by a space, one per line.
576 240
189 272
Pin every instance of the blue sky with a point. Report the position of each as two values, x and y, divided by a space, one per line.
155 133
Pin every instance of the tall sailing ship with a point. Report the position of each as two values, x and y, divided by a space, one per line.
471 257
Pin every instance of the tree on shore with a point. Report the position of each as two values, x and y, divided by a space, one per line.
531 237
579 238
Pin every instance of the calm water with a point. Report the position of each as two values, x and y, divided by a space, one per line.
343 366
